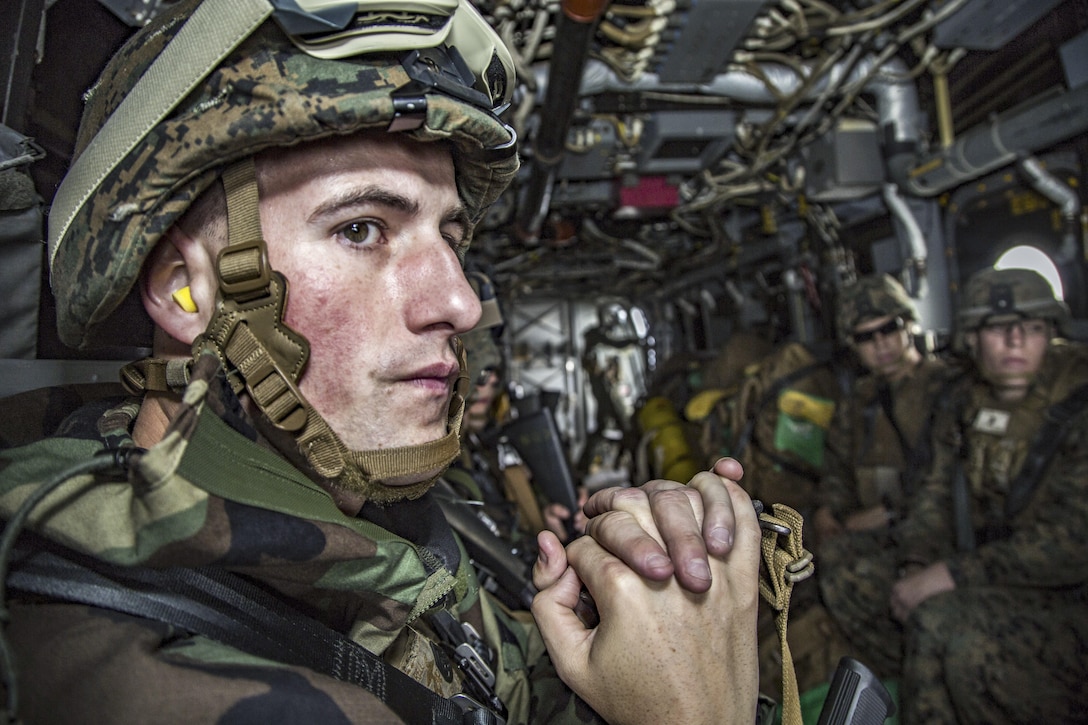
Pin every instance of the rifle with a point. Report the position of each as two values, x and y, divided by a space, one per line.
500 569
536 438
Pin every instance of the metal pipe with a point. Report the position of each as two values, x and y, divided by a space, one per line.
1067 200
574 30
916 240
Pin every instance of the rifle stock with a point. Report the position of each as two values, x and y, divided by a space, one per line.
855 697
536 438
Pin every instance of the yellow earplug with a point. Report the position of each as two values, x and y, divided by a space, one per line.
184 298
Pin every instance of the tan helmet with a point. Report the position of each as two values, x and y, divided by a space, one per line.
433 70
870 298
995 295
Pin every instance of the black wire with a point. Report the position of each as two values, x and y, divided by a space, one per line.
116 459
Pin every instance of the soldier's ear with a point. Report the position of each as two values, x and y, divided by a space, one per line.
970 341
177 287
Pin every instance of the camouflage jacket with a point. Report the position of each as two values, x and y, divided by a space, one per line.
866 460
1042 545
210 495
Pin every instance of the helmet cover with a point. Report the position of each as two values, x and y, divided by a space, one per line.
996 295
871 298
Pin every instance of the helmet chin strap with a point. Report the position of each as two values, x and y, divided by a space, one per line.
264 357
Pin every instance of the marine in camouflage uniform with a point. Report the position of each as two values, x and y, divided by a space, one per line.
878 437
212 492
255 515
993 602
876 441
478 481
245 475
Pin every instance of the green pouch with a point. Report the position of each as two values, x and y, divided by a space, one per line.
803 438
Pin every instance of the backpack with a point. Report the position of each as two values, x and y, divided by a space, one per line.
780 419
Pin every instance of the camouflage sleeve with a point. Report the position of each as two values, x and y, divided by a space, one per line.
78 664
1045 547
837 490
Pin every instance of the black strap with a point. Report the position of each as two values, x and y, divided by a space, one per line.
884 396
1046 444
961 508
227 608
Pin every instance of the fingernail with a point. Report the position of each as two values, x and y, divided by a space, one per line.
699 570
542 557
722 536
658 562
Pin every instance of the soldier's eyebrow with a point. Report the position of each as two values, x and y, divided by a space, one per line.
378 196
366 196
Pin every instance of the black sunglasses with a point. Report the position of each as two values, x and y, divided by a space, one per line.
888 328
485 375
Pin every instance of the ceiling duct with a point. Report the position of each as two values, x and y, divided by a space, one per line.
1033 127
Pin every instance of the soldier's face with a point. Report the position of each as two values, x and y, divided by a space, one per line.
1009 354
480 401
365 229
882 345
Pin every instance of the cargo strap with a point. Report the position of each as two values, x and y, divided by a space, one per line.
786 562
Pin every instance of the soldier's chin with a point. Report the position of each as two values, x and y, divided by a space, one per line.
413 479
1014 382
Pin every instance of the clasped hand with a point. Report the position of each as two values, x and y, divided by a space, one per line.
673 570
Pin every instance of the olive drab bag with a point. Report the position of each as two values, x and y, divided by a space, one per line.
781 416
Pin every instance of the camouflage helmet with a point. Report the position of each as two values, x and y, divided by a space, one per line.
273 89
491 315
1001 294
870 298
482 350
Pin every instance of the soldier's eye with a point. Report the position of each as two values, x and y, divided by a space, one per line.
362 233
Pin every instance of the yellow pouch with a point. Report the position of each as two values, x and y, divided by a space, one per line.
807 407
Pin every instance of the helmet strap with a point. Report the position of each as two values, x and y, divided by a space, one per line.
265 357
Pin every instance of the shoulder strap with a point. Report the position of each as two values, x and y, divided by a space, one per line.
223 606
884 396
961 499
1043 448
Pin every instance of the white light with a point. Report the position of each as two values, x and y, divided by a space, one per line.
1025 257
